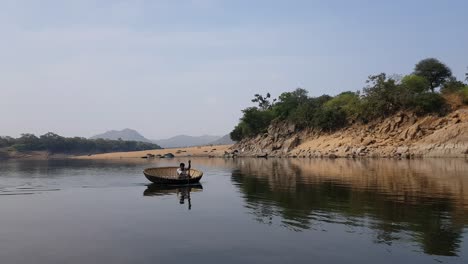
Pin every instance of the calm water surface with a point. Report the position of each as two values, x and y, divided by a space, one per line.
246 211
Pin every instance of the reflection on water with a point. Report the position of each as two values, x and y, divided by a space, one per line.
182 192
33 177
414 201
252 210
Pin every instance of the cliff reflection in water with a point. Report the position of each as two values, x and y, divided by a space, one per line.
422 201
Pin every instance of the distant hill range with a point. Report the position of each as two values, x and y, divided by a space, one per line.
186 141
173 142
190 141
225 140
125 134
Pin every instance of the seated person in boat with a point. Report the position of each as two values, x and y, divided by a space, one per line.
183 172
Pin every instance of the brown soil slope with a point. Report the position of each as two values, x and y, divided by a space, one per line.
402 135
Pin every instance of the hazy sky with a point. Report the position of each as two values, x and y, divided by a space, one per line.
167 67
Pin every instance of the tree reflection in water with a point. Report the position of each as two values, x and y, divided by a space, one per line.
420 201
182 192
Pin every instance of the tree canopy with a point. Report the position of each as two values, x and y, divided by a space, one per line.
54 143
434 71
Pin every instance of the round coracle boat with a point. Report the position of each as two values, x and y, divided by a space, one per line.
168 175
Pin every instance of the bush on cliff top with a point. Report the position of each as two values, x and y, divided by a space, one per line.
382 97
464 94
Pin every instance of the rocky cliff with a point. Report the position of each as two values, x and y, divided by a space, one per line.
402 135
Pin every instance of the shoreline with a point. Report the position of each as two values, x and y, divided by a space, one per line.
402 136
215 151
200 151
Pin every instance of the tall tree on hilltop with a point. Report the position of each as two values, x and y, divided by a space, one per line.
263 101
433 71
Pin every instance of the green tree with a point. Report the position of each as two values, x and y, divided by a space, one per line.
434 71
349 102
263 101
382 97
53 142
289 101
256 120
305 114
6 141
428 103
28 142
415 83
329 119
240 132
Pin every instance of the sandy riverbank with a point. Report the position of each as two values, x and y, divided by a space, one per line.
202 151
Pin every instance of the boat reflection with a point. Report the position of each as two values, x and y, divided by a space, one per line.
182 192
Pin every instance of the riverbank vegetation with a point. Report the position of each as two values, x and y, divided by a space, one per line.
54 143
430 89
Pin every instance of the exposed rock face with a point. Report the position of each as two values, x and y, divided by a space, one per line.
280 139
402 135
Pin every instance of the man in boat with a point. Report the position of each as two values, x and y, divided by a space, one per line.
184 172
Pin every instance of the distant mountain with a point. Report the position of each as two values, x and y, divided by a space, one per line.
225 140
126 134
185 141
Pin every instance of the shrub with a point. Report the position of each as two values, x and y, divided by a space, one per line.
253 122
428 103
6 141
452 86
239 132
464 94
257 120
349 102
288 102
329 119
305 113
382 97
415 83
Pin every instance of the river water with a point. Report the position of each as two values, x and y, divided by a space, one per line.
245 211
